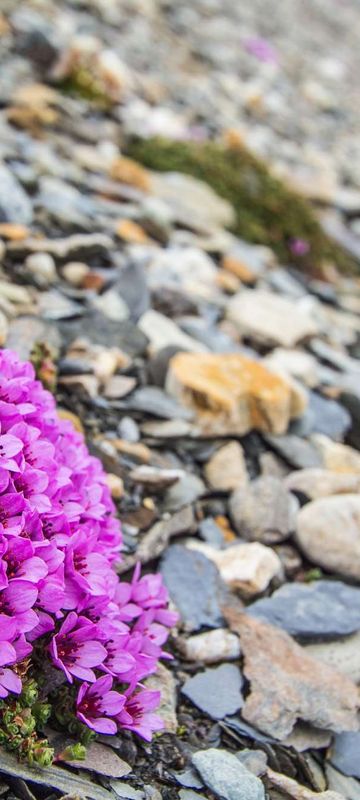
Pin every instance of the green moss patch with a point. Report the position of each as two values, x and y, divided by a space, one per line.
267 211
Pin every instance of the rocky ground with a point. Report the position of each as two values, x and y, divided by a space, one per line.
219 386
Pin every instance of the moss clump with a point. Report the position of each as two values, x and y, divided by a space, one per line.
267 211
82 84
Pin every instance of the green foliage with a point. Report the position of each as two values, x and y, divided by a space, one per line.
267 211
81 83
20 720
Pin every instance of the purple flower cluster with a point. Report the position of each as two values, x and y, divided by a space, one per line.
59 539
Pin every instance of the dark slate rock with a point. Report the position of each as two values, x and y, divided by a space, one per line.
217 691
351 400
153 400
195 587
329 417
299 453
15 205
158 365
100 330
244 729
345 753
133 289
323 609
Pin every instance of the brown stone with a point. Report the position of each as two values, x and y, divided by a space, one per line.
93 280
231 394
128 171
139 452
290 788
239 268
287 684
131 232
13 232
226 469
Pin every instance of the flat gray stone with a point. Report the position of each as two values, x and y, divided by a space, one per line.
345 753
297 452
264 512
195 587
15 205
153 400
217 692
328 417
323 609
224 775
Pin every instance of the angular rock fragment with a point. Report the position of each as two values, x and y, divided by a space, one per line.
217 691
231 394
270 319
226 777
287 684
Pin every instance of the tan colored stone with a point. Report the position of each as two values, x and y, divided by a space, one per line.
139 452
131 232
13 232
116 485
328 533
317 483
226 470
228 282
290 788
239 268
287 684
270 319
232 394
249 568
163 681
75 272
337 457
128 171
82 383
4 327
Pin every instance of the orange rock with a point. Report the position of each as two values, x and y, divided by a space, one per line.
9 230
93 281
227 281
139 452
132 232
224 526
128 171
4 25
238 268
33 107
231 394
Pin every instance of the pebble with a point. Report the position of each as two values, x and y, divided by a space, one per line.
264 512
211 647
301 687
226 470
231 394
15 205
328 533
323 609
154 401
257 315
348 788
163 681
119 386
194 586
248 568
226 777
42 267
328 417
344 754
296 363
298 452
216 692
315 483
192 202
163 332
339 458
4 329
297 792
343 655
74 272
187 489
